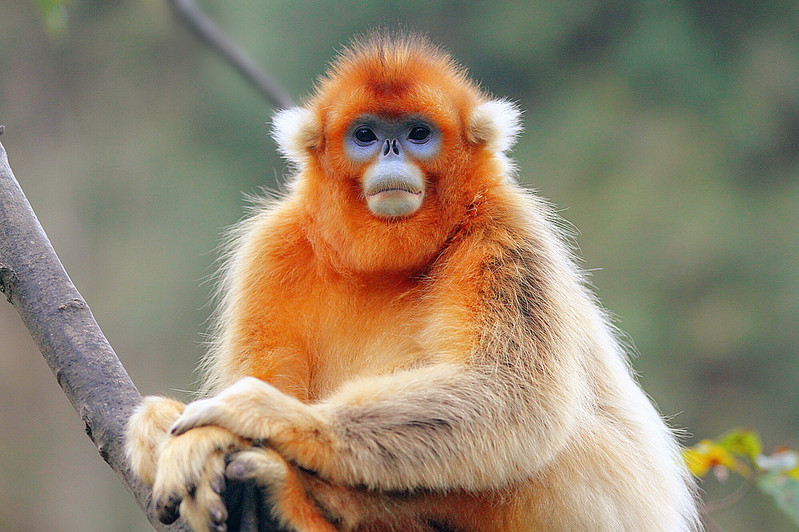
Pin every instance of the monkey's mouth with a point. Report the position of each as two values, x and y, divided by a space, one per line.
394 188
393 198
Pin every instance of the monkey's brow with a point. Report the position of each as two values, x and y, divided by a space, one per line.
373 119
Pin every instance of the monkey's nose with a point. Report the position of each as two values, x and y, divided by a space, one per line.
390 146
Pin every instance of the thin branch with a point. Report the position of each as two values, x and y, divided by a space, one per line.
209 33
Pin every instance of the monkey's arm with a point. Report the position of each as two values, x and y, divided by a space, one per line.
437 427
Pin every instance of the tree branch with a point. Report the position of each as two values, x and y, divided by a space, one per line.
209 33
61 323
59 320
63 327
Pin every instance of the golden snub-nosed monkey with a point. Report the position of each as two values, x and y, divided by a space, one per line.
404 340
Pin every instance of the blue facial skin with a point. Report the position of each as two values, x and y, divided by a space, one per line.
393 184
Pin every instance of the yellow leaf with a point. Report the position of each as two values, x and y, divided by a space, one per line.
708 454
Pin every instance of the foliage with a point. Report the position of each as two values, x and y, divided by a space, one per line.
54 15
740 451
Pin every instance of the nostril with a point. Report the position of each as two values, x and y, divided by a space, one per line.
386 147
394 147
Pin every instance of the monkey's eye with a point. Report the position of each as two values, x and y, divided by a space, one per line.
365 135
419 133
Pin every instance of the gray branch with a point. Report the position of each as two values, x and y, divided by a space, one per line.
86 367
210 34
60 322
63 327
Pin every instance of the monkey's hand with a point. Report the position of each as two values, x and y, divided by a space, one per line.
185 472
255 410
147 430
252 409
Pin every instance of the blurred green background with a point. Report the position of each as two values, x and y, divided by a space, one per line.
666 132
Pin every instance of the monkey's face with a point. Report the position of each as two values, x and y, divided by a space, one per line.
393 150
393 184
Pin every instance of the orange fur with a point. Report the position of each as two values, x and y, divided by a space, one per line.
446 370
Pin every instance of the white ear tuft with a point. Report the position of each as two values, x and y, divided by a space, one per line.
297 132
495 123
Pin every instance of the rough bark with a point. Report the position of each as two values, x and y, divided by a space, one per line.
63 327
86 367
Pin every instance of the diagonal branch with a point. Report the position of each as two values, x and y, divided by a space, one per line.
92 377
60 322
209 33
63 327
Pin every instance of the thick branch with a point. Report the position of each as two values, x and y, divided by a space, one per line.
85 365
61 324
209 33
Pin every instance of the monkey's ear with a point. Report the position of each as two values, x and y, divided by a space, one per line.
495 123
297 133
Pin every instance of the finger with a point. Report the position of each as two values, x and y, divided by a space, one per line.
196 414
181 466
147 429
167 509
204 509
210 496
263 465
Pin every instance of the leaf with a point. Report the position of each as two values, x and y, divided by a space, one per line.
708 454
784 490
742 442
54 15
